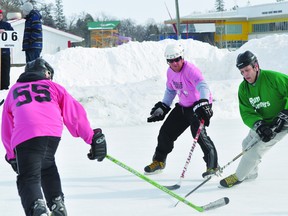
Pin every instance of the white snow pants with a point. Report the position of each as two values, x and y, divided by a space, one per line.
248 165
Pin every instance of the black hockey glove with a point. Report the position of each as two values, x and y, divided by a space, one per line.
203 110
98 147
280 120
264 131
158 112
13 164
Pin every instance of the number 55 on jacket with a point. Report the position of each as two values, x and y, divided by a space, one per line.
34 114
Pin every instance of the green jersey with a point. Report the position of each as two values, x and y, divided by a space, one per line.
264 99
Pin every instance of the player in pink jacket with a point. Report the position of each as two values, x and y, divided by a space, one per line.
195 103
34 113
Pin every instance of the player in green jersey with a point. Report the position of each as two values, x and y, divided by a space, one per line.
263 104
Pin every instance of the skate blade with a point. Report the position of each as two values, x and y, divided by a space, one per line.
153 173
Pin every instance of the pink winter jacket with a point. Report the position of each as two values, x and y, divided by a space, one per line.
40 108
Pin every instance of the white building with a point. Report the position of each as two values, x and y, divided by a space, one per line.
54 40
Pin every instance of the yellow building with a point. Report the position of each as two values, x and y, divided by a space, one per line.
234 28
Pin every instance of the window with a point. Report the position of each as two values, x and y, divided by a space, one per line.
234 29
270 12
230 44
229 29
220 29
270 27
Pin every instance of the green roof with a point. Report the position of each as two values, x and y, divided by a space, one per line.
107 25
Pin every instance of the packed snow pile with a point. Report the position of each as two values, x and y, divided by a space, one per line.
119 85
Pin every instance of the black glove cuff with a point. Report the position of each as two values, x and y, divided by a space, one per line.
283 115
264 131
98 147
258 124
200 103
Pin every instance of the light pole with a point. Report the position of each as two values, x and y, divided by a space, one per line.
178 20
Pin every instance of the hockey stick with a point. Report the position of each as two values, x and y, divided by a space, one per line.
202 183
178 185
1 102
215 204
253 141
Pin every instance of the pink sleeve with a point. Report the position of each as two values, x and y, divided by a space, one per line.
75 118
6 131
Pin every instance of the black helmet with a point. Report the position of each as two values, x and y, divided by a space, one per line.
39 65
244 59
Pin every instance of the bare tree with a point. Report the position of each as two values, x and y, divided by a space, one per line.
10 6
127 28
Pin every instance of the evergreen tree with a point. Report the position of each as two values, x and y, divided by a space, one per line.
80 28
60 20
219 5
47 17
152 31
235 7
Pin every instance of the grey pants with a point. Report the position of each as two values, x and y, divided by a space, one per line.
248 165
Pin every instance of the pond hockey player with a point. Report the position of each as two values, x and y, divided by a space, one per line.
263 103
195 103
34 112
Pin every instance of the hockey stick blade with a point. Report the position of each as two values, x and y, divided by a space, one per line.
216 204
173 187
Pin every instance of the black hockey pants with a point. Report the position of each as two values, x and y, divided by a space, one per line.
179 119
37 169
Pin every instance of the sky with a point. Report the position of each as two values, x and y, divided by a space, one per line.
143 11
118 87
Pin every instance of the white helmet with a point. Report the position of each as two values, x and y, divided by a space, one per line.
173 51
